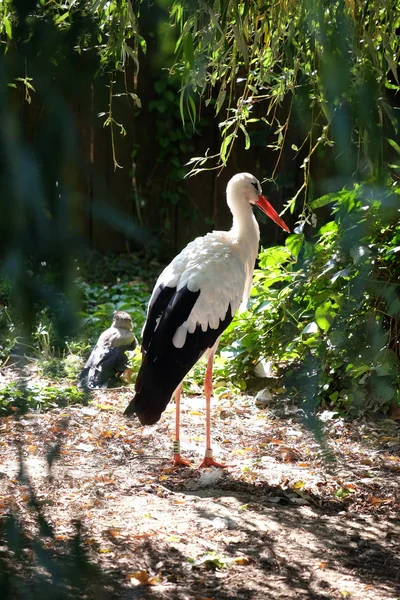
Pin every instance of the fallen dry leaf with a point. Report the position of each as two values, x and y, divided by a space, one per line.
321 565
143 578
106 434
242 560
114 532
298 485
376 500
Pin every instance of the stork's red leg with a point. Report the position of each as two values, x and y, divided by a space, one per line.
177 459
208 460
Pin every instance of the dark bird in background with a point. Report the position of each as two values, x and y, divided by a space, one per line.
108 359
194 300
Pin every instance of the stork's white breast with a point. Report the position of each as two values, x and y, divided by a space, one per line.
212 265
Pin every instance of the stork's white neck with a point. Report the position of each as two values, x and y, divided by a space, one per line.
245 236
245 228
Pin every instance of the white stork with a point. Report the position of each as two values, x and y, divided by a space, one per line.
194 300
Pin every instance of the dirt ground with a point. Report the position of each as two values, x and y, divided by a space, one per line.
282 523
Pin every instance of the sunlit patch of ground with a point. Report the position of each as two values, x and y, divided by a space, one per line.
282 523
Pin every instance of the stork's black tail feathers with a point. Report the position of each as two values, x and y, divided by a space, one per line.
154 387
158 379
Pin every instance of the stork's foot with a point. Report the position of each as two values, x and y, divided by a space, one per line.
178 461
208 461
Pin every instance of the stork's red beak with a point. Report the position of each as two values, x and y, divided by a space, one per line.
269 210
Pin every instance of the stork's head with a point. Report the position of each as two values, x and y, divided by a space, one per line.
247 187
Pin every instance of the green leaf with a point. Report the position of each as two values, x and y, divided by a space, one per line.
214 20
324 200
61 18
188 49
246 136
343 492
334 396
241 44
294 243
330 227
98 5
181 107
383 370
341 273
394 145
357 370
324 315
394 308
220 99
225 146
274 256
394 250
248 340
312 342
7 26
192 109
337 338
142 43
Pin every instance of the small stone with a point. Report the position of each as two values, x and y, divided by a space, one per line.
220 523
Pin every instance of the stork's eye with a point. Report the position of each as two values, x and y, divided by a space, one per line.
255 185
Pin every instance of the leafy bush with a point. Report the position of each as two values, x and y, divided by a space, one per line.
62 358
327 308
8 333
100 301
14 396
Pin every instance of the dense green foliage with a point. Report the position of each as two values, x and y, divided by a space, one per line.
96 302
14 397
100 301
331 304
62 359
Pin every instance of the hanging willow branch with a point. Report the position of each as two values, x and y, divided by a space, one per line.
333 58
111 31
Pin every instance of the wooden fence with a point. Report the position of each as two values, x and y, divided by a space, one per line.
112 200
